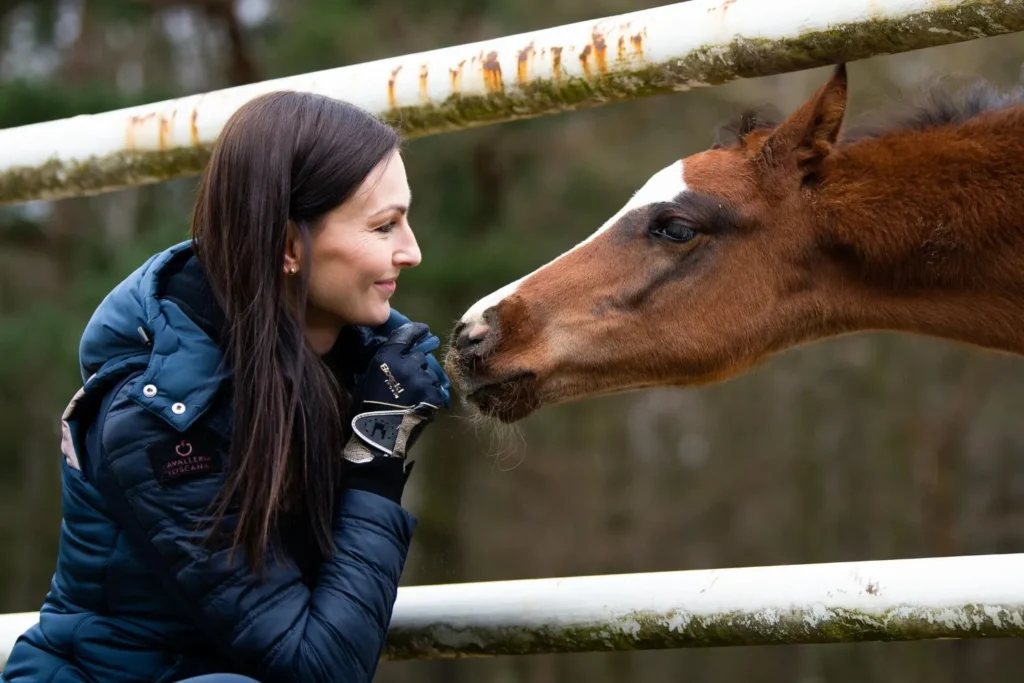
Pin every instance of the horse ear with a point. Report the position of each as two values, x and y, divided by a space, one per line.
807 136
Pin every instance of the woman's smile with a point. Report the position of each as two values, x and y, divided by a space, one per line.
386 286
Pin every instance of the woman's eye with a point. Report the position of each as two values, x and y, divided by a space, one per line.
677 231
387 227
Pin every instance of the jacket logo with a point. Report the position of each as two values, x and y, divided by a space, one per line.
178 459
390 380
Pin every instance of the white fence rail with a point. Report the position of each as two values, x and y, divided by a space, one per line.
591 63
978 596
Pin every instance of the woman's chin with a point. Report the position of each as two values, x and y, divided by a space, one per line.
374 314
378 316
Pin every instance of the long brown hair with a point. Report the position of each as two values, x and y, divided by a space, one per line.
284 156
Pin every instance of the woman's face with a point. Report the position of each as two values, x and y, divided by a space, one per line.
357 254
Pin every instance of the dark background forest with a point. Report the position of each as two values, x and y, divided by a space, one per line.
866 447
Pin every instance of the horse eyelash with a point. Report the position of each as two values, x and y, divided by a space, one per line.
685 220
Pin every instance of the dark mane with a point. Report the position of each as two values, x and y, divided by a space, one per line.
753 118
942 100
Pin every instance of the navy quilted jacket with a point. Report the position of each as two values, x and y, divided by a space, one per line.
144 442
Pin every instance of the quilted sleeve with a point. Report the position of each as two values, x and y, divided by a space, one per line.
270 624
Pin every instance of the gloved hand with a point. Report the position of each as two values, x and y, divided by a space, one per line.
397 396
362 342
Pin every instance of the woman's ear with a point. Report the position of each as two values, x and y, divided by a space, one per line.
293 249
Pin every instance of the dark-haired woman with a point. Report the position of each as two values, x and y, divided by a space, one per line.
233 466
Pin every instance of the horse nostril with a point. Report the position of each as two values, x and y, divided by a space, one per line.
470 336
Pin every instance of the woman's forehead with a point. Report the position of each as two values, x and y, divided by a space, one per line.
385 187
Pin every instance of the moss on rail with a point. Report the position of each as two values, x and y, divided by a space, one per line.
943 25
712 64
124 168
674 629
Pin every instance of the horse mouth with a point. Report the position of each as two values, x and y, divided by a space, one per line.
508 400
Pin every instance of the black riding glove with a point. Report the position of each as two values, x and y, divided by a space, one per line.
397 397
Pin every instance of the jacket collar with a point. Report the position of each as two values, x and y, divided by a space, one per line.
162 318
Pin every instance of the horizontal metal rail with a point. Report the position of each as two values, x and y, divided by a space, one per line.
586 64
978 596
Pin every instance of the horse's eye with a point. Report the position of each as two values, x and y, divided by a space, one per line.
674 230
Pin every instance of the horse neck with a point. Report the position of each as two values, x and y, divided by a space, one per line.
923 232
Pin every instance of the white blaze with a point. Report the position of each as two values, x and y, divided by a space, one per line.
663 186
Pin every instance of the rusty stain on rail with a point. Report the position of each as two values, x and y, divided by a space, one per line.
523 62
165 129
600 51
139 125
598 48
424 92
638 42
134 123
455 76
492 73
392 99
556 64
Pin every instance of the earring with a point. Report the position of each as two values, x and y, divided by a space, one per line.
293 270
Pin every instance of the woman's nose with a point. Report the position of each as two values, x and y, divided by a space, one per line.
408 253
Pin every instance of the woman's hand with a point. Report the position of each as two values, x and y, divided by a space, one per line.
397 397
428 344
356 345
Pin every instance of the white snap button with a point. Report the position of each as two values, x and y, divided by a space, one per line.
178 408
149 390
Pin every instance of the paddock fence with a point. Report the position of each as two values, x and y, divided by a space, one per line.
673 48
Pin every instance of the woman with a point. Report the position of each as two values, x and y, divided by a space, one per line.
234 464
